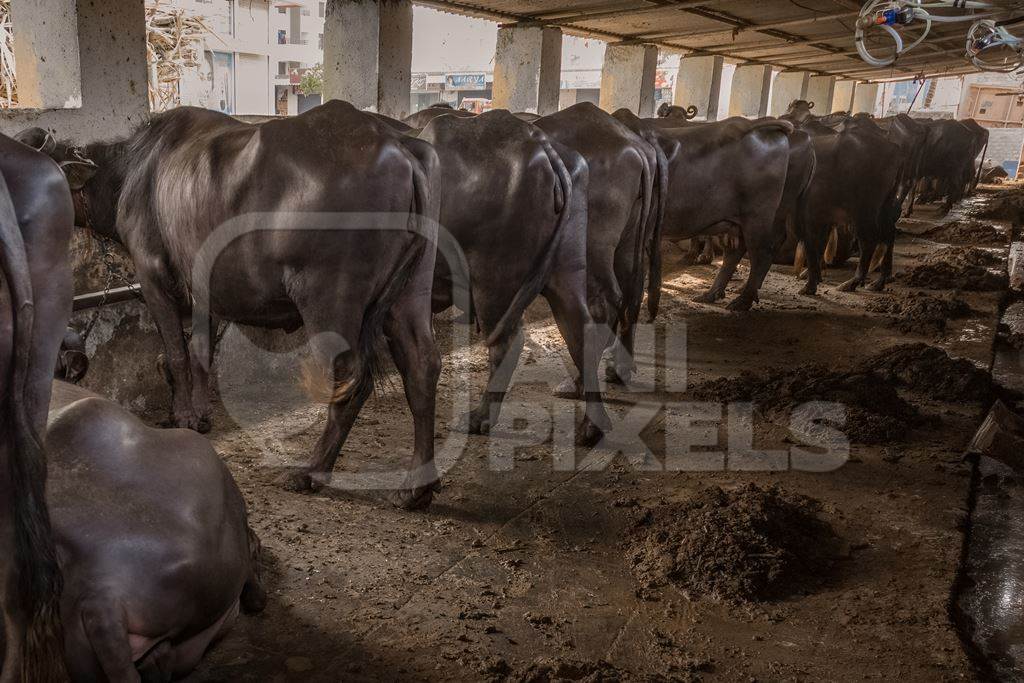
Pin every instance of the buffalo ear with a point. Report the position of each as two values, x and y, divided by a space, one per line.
38 139
78 172
810 105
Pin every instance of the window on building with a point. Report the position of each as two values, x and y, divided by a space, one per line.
224 82
305 11
282 10
322 9
304 38
282 68
320 42
282 37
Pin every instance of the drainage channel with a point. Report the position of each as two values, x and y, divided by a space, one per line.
988 600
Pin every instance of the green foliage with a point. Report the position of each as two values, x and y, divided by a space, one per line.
312 81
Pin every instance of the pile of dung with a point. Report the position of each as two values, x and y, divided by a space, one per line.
932 372
744 545
920 313
967 232
875 413
959 268
1008 206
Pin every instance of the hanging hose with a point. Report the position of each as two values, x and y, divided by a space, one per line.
892 15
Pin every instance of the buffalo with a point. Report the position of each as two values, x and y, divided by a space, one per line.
153 540
36 219
856 181
515 203
189 177
623 218
707 196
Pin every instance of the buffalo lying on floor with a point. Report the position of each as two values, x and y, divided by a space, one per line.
623 218
706 194
515 203
36 219
153 541
359 270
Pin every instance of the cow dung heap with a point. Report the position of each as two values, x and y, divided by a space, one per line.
960 268
1009 206
930 371
875 413
917 312
744 545
967 232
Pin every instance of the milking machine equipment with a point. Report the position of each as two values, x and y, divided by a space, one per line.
990 45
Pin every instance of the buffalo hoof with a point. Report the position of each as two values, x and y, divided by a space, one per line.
472 423
707 298
417 498
703 260
849 285
568 389
740 303
187 422
613 375
204 425
301 482
588 435
878 285
809 290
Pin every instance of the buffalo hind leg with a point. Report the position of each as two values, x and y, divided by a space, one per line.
349 383
106 628
867 250
503 357
760 253
201 352
732 257
586 343
166 314
885 270
411 339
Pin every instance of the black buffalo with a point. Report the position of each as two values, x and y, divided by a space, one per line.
515 203
36 219
168 189
856 182
623 218
707 194
153 541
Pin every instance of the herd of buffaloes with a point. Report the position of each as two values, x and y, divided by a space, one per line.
106 574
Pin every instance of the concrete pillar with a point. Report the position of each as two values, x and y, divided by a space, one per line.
699 83
788 86
627 78
842 97
864 98
527 69
819 91
46 52
751 86
114 76
368 54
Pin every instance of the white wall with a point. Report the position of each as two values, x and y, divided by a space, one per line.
251 83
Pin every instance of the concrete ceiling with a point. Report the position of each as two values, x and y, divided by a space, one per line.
798 35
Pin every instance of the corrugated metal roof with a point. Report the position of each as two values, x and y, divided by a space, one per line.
803 35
